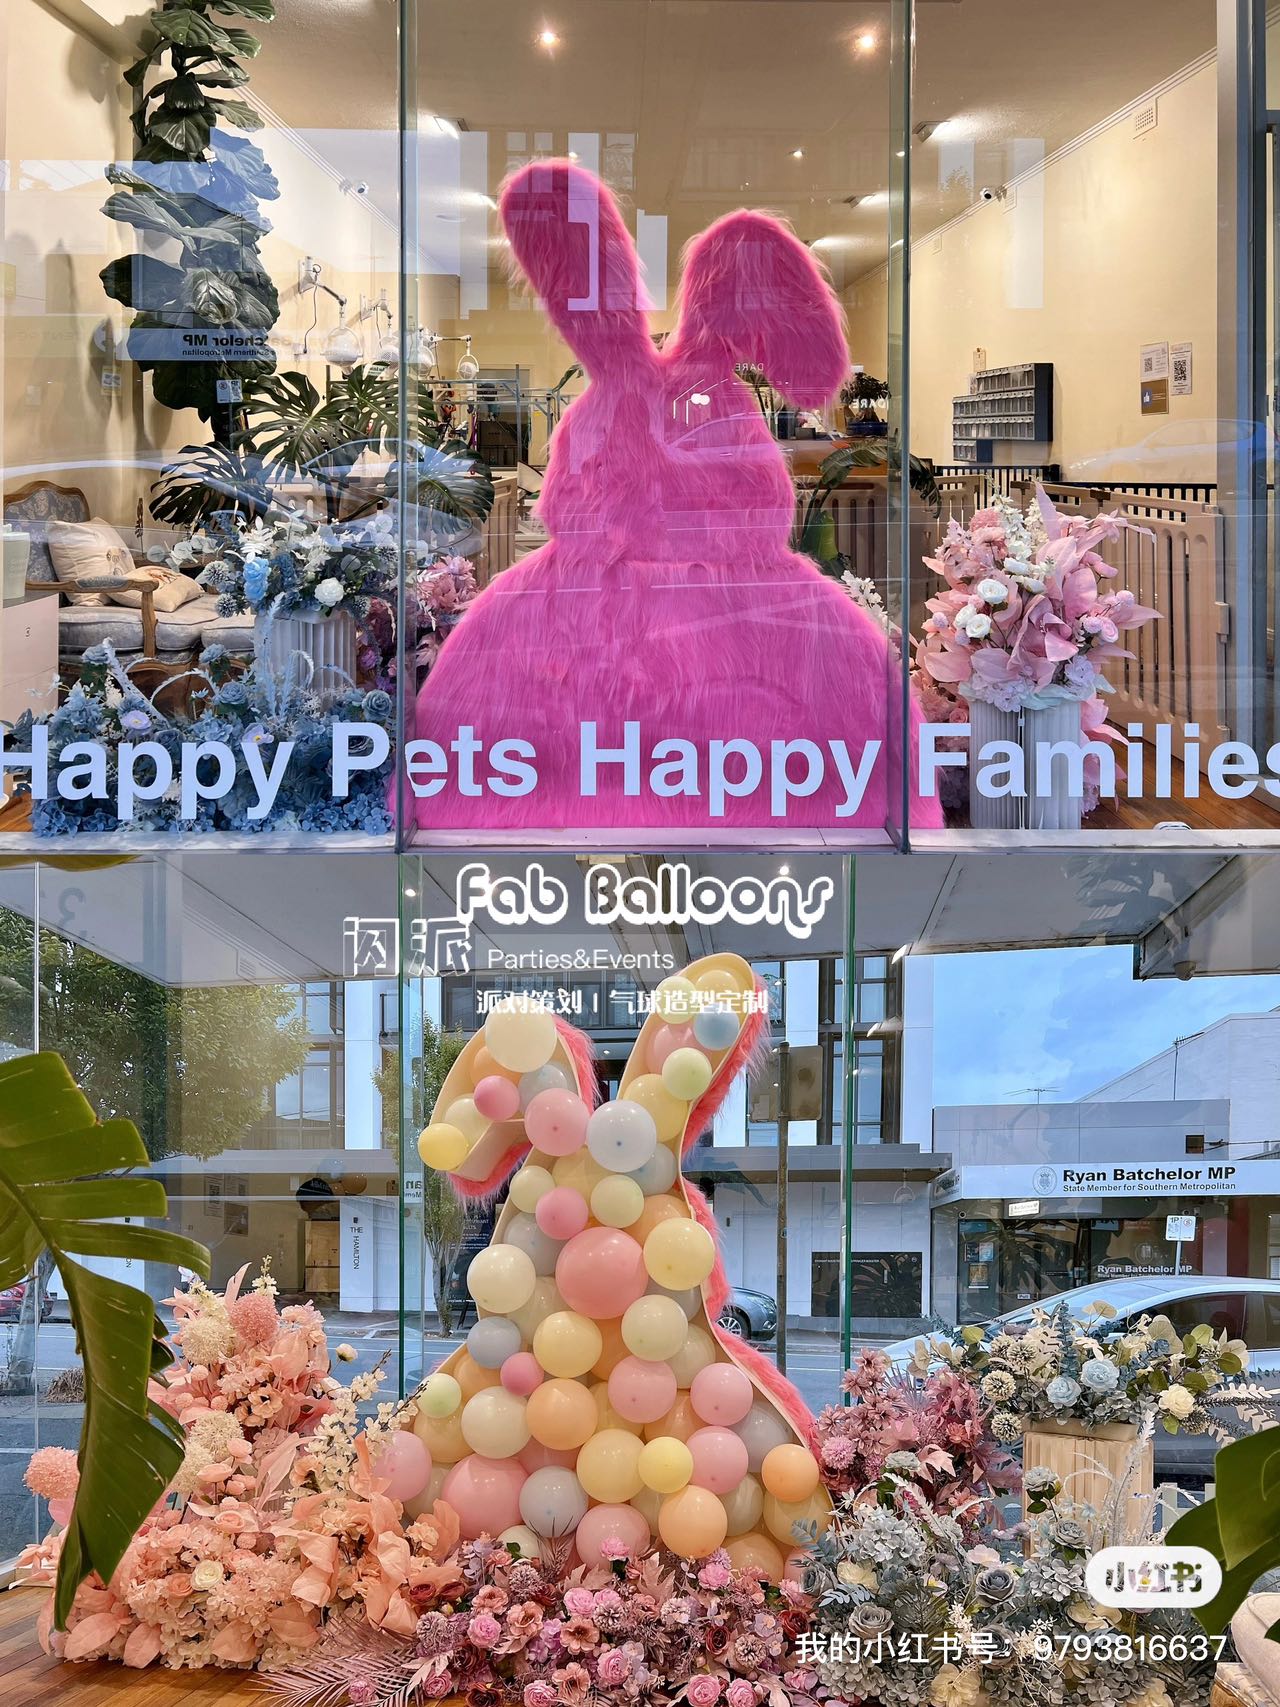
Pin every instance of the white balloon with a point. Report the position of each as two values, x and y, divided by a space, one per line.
690 1302
493 1340
762 1429
521 1536
552 1077
659 1173
524 1233
743 1505
621 1136
553 1501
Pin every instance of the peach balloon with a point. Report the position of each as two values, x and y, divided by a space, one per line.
485 1493
606 1416
781 1516
442 1437
601 1272
642 1392
485 1066
719 1459
472 1377
656 1210
536 1456
561 1415
665 1041
614 1347
756 1553
608 1466
680 1421
789 1473
722 1394
611 1523
692 1523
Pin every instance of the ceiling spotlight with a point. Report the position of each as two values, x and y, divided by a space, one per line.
865 41
797 153
784 871
548 39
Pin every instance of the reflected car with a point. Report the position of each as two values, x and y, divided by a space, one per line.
11 1300
749 1315
1176 452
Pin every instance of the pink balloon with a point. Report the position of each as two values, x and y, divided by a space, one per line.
665 1040
405 1464
719 1459
536 1456
561 1212
497 1098
521 1373
601 1273
721 1393
556 1122
641 1391
485 1493
611 1523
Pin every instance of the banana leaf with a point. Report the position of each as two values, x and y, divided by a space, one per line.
1240 1526
51 1147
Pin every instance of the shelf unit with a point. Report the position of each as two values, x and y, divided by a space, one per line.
1003 407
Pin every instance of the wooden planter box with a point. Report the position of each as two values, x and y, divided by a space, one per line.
1088 1462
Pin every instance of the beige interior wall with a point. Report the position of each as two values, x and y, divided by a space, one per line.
1108 248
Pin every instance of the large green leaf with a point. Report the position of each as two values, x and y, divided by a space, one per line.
130 1449
188 28
1241 1525
262 9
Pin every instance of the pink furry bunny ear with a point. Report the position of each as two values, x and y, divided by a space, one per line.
753 293
567 234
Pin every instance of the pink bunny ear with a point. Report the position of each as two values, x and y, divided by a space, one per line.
567 234
753 293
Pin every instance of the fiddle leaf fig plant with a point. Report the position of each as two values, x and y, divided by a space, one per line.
192 195
63 1191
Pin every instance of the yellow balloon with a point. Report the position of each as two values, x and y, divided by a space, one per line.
668 1113
608 1466
692 1523
756 1553
744 1505
617 1201
673 1000
544 1301
666 1465
442 1437
717 983
698 1350
529 1185
686 1073
523 1538
648 1503
580 1172
780 1517
606 1416
442 1147
441 1395
679 1254
567 1344
655 1328
520 1034
494 1425
465 1117
501 1278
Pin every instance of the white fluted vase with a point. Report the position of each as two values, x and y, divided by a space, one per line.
989 723
328 641
1052 724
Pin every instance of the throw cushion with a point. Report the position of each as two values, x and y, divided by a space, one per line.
172 589
86 549
1249 1632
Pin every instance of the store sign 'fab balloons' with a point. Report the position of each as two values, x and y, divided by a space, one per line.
593 1398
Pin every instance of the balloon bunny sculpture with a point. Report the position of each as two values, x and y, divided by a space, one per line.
594 1396
667 595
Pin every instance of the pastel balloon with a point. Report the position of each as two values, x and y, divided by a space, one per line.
463 1114
679 1254
608 1466
641 1391
722 1394
719 1459
680 1421
781 1516
743 1505
686 1073
658 1174
665 1464
442 1437
521 1536
621 1135
668 1207
485 1493
606 1416
648 1502
492 1341
552 1502
668 1113
552 1077
601 1272
663 1044
493 1423
756 1553
674 998
561 1213
581 1171
440 1397
471 1376
484 1066
442 1147
692 1523
696 1354
717 981
544 1301
520 1034
762 1429
716 1029
536 1456
404 1463
789 1473
566 1344
654 1328
521 1374
604 1523
528 1186
690 1300
617 1201
561 1415
496 1098
527 1234
421 1504
501 1279
614 1347
557 1122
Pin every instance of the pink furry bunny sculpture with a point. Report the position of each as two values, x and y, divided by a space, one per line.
667 596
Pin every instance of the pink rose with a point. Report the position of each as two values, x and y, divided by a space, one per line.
703 1691
437 1687
580 1602
539 1694
741 1694
483 1630
615 1548
490 1598
714 1575
613 1668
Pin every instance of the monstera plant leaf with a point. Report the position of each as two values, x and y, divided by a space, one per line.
1240 1526
54 1196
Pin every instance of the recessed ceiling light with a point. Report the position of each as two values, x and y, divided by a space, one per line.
797 153
784 871
548 38
573 154
865 41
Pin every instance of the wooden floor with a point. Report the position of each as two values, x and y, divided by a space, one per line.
27 1675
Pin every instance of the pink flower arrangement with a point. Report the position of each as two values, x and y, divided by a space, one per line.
1023 622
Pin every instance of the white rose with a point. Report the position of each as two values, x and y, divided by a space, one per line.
978 626
1178 1402
993 592
329 592
207 1574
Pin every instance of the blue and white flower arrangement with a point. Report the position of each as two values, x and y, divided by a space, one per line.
295 567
